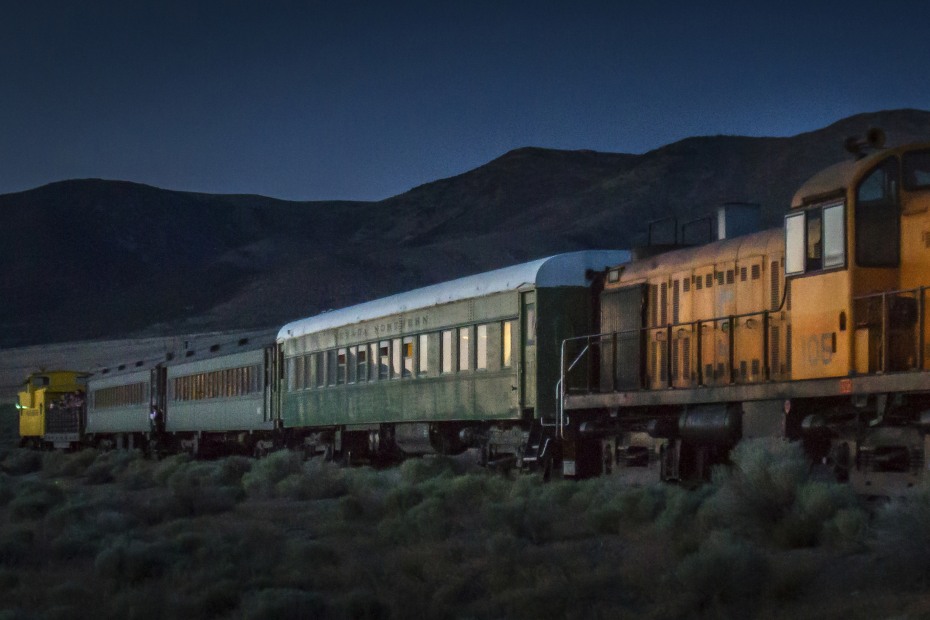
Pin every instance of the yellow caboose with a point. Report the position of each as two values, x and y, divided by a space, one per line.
51 408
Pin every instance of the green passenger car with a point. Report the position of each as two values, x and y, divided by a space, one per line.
478 353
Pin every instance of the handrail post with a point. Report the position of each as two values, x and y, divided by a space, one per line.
766 366
921 307
886 340
731 331
668 356
700 354
561 388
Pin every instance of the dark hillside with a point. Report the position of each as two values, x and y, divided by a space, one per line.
92 258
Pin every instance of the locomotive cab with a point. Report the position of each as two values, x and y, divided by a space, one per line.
857 258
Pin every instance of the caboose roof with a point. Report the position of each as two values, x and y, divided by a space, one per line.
560 270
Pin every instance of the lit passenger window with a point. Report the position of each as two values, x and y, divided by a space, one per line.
507 344
464 348
481 348
447 351
408 356
424 354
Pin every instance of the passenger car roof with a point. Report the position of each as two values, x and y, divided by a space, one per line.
560 270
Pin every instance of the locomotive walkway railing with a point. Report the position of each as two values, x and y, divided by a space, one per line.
891 334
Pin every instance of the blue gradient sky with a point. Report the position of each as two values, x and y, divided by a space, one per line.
364 100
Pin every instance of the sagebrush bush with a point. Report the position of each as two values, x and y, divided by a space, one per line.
723 571
35 498
316 479
109 465
902 536
21 461
413 471
283 604
768 496
207 487
16 546
59 464
262 479
130 560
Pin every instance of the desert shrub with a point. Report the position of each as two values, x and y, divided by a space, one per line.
16 546
34 499
316 480
365 605
264 476
110 465
282 604
206 487
58 464
629 507
8 486
724 571
768 496
215 598
414 471
20 461
815 508
137 475
902 535
128 560
166 467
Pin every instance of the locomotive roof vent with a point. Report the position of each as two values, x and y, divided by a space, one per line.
735 219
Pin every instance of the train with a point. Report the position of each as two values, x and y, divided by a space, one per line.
587 363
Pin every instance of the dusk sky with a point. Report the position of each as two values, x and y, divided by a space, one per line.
365 100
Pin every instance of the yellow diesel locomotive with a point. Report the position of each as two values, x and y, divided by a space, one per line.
815 331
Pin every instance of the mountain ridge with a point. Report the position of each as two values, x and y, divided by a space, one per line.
91 258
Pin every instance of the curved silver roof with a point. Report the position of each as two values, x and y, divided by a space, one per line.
559 270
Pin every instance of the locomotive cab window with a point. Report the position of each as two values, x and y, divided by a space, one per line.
815 239
878 238
916 170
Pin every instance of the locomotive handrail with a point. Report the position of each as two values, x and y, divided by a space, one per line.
729 323
919 294
560 386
